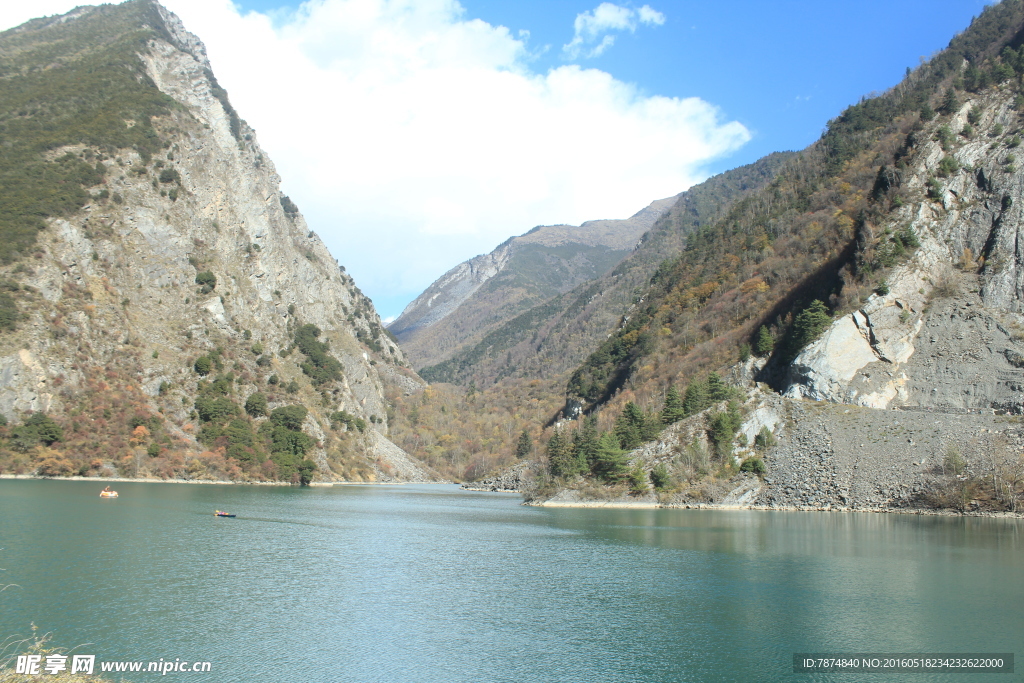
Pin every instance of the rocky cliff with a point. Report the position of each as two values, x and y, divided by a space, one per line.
183 250
945 332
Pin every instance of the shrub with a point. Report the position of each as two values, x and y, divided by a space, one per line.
207 280
256 405
948 166
764 439
169 175
203 365
755 465
660 478
290 209
637 480
212 409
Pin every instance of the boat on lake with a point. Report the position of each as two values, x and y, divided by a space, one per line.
107 493
219 513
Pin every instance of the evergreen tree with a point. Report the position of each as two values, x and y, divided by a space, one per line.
637 479
696 398
585 443
809 325
629 426
660 477
649 428
950 104
562 461
673 410
525 445
611 460
256 405
764 343
723 429
556 453
764 439
717 389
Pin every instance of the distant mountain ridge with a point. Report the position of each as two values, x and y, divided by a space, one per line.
485 291
555 335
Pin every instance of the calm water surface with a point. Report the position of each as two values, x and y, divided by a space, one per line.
436 585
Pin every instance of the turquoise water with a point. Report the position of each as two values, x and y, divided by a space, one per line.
433 584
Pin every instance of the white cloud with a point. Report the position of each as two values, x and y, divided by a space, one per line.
413 137
607 17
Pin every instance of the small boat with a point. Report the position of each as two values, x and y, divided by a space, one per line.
107 493
218 513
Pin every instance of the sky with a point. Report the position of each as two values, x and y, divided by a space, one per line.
416 134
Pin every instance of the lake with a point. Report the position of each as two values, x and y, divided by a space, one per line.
437 585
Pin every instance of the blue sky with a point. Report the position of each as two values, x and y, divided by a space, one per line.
782 69
415 134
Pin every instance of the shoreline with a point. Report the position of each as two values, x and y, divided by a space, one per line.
222 482
651 505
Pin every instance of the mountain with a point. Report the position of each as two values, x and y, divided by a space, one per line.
878 270
554 336
165 309
844 334
477 295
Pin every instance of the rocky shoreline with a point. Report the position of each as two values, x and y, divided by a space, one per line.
223 482
511 480
649 505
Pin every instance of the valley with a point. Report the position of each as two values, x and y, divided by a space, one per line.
173 316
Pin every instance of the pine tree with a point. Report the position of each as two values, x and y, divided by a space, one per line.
557 449
611 460
586 442
950 104
717 389
660 477
765 343
525 445
696 398
809 325
629 426
723 429
673 410
563 455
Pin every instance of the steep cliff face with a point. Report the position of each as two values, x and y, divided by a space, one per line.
186 253
478 295
948 333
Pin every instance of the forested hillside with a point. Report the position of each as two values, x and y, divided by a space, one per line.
901 218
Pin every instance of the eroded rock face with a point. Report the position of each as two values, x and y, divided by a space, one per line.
944 336
117 281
